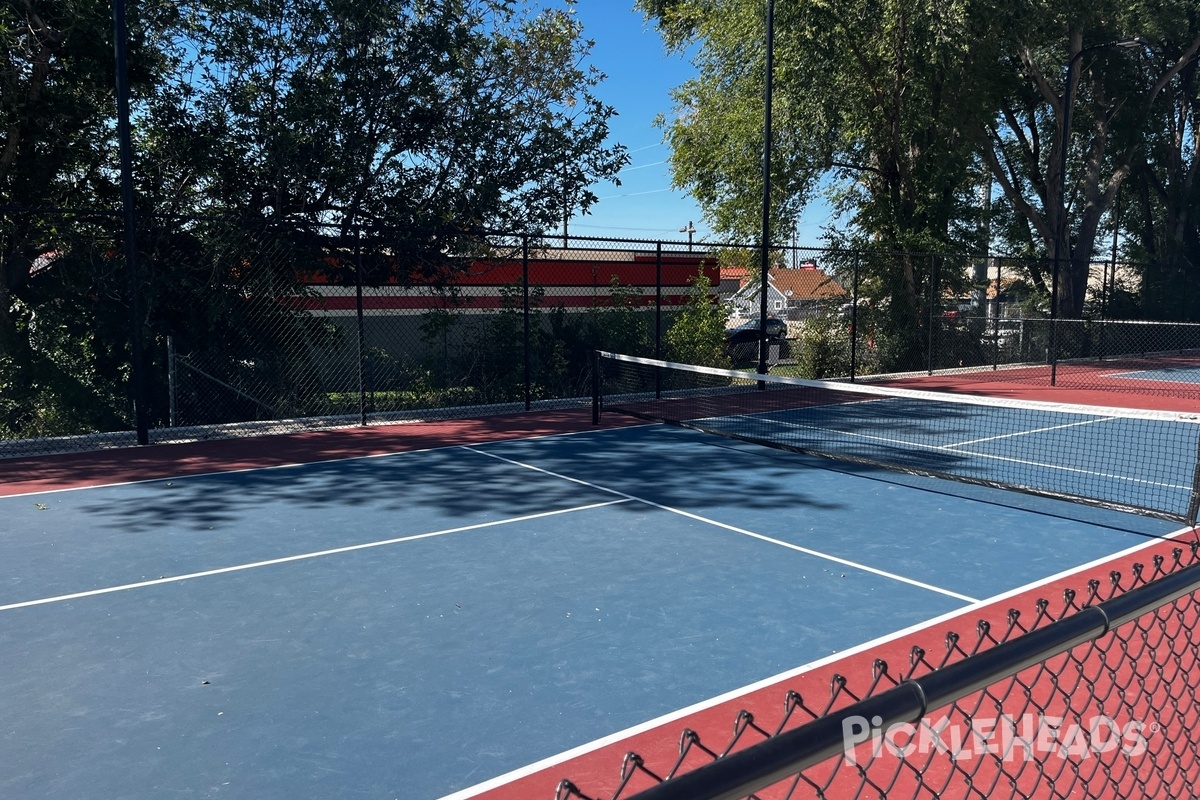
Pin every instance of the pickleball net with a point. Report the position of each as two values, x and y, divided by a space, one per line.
1094 694
1140 461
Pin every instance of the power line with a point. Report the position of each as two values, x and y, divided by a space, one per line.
632 194
644 166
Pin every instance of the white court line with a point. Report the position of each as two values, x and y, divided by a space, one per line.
775 680
1031 431
301 557
295 464
957 449
816 553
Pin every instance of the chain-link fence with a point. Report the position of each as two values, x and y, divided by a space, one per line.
249 326
880 314
255 327
1095 696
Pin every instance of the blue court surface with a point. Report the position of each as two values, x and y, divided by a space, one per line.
411 625
1130 461
1182 374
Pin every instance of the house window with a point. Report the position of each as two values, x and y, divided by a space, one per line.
778 305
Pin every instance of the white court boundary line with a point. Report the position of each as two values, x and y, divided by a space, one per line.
774 680
960 449
295 464
301 557
788 545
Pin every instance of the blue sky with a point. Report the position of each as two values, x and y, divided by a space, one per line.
641 76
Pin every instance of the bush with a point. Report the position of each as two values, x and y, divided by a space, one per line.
823 349
697 336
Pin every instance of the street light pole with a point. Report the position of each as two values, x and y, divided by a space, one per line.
765 256
125 150
1060 231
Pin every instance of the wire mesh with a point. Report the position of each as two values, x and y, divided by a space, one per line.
248 326
1095 695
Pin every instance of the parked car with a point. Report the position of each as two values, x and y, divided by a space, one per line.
1008 332
741 341
749 331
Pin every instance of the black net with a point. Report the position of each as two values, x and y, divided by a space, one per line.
1141 461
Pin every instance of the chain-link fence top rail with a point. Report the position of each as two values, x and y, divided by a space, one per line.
1096 695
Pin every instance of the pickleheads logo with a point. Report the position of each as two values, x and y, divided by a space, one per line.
1030 737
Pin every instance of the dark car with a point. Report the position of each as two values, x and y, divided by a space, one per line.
749 331
741 341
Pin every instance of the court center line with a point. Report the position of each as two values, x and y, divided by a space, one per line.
1032 431
770 540
300 557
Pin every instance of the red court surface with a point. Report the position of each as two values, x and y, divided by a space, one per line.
1033 384
96 468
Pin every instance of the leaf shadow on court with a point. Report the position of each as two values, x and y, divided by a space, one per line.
416 492
453 485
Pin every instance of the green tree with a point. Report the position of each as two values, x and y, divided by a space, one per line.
63 297
907 106
1117 108
306 122
1164 197
823 347
430 114
875 92
697 334
874 96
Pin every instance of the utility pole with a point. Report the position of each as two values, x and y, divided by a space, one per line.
690 230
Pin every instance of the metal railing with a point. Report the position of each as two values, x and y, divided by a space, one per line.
1097 699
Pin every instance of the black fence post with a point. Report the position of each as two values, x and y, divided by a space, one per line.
137 365
525 332
172 384
658 295
854 320
361 327
933 317
994 307
1052 348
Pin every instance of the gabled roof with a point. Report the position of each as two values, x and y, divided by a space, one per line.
805 284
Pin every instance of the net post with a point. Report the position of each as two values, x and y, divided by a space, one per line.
1194 501
595 387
